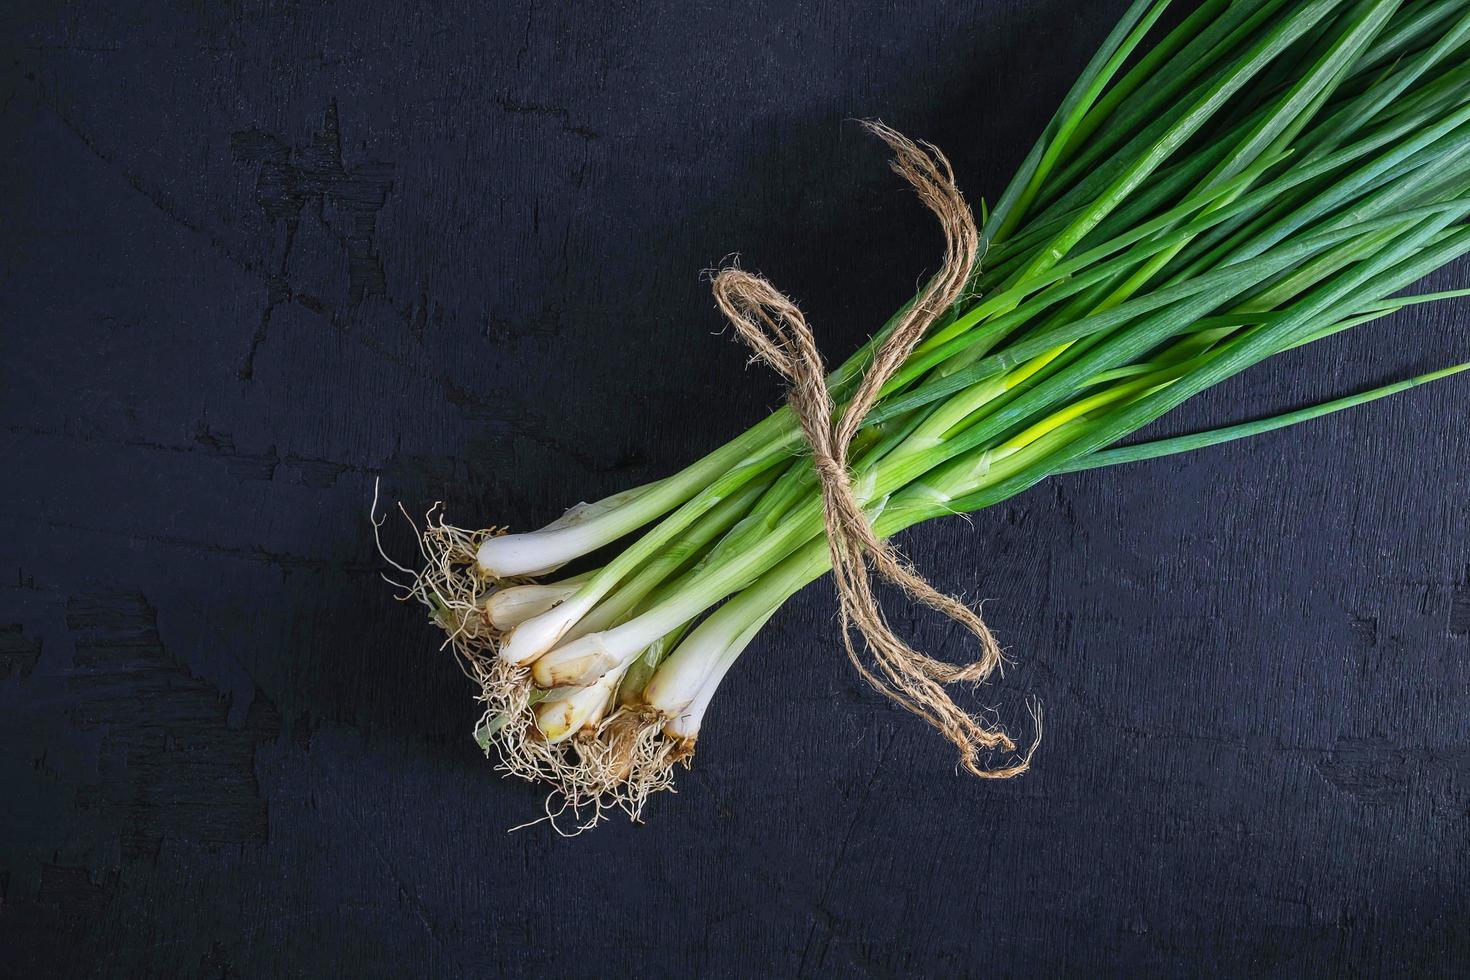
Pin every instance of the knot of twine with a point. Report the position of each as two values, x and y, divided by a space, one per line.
776 330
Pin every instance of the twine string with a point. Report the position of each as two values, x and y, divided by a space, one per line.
775 329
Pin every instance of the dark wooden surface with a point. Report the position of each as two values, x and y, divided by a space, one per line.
254 256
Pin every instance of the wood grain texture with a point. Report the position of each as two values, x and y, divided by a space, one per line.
254 256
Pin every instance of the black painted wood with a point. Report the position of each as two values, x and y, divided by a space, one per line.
254 256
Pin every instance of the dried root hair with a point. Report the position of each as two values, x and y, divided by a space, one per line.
616 766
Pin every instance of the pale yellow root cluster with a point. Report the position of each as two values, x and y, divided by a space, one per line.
617 765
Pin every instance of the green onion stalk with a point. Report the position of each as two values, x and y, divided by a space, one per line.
1266 174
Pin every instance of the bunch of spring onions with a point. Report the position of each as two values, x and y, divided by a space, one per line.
1264 175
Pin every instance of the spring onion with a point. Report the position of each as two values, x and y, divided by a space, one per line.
1264 175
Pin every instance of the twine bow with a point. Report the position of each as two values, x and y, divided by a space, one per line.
777 331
